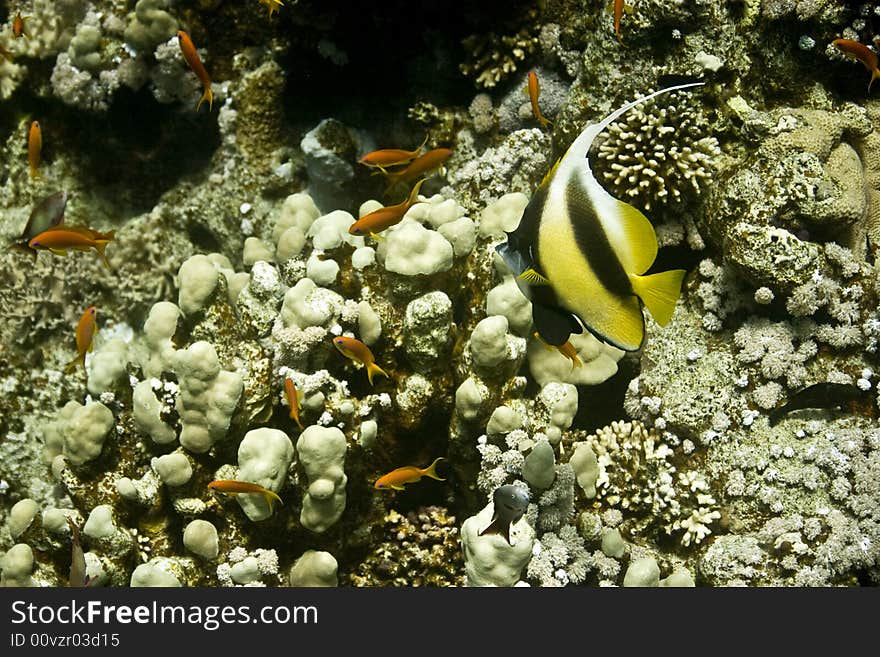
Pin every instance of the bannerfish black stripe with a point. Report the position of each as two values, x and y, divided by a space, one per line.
526 233
592 241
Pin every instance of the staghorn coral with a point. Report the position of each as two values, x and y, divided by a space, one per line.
659 153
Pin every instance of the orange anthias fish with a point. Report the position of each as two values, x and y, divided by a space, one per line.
46 214
60 238
618 14
232 487
419 167
35 147
195 63
566 349
18 25
856 50
390 157
379 220
272 5
534 93
360 353
292 401
408 474
85 337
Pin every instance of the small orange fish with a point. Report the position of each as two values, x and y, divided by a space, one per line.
856 50
35 148
195 63
293 401
85 336
379 220
360 353
232 487
60 238
46 214
408 474
272 5
618 14
566 349
419 167
390 157
534 93
18 25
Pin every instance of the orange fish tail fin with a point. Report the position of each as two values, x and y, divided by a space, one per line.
874 75
271 498
209 96
659 292
100 245
80 359
431 470
373 369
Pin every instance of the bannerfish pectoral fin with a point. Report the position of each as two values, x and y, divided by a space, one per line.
533 278
659 292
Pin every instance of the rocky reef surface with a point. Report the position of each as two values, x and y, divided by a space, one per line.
232 270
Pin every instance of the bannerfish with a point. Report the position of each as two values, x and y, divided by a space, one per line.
60 238
408 474
534 93
360 353
191 55
85 337
856 50
818 395
292 401
391 157
578 252
35 148
378 220
233 487
510 503
46 214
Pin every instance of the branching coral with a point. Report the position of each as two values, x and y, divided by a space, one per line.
491 57
660 151
637 476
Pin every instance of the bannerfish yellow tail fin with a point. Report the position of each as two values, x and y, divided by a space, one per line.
659 292
431 470
533 277
373 369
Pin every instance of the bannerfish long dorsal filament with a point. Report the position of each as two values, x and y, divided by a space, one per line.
592 249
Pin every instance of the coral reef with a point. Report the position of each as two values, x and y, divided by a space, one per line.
232 269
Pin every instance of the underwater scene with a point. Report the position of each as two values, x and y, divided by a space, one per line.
426 294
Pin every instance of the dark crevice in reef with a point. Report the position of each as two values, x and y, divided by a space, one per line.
139 149
398 53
